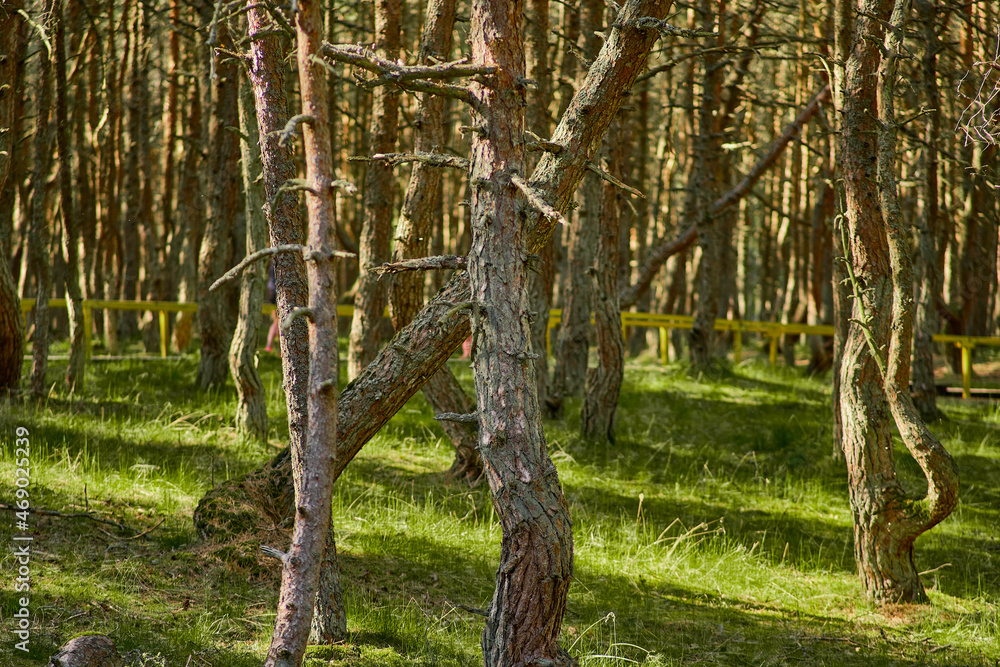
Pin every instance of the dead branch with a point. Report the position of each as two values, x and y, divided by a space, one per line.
614 181
649 23
308 254
534 198
431 159
471 418
422 264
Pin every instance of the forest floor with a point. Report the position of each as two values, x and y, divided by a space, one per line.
715 531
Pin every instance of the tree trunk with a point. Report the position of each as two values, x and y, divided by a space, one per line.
537 119
874 381
597 418
216 316
13 40
134 177
536 557
413 232
251 408
191 210
38 242
267 76
927 322
701 192
575 330
373 246
71 225
313 462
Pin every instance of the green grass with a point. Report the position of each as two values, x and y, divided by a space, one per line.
716 530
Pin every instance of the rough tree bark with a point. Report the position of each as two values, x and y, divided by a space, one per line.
373 245
216 315
13 39
604 383
267 76
413 233
71 226
251 408
38 241
874 381
536 554
313 462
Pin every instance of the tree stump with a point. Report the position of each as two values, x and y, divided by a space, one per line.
87 651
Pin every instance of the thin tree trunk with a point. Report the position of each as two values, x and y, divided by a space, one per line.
191 210
251 408
301 573
38 242
267 76
570 372
604 383
413 232
13 40
536 44
216 315
134 177
927 322
71 226
373 247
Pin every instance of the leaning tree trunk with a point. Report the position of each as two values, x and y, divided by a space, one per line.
373 246
874 381
604 383
251 408
216 315
12 47
313 462
38 241
267 76
71 226
413 233
418 351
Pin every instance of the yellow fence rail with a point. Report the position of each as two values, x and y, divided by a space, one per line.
771 330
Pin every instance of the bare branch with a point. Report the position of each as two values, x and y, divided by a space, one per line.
471 418
422 264
649 23
534 198
614 181
307 254
431 159
291 126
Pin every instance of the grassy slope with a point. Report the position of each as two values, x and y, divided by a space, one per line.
716 530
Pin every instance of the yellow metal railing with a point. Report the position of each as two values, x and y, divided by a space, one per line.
771 330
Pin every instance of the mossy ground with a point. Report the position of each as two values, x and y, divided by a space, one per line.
715 531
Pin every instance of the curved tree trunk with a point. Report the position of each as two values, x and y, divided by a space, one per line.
373 246
874 381
413 233
13 40
251 408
